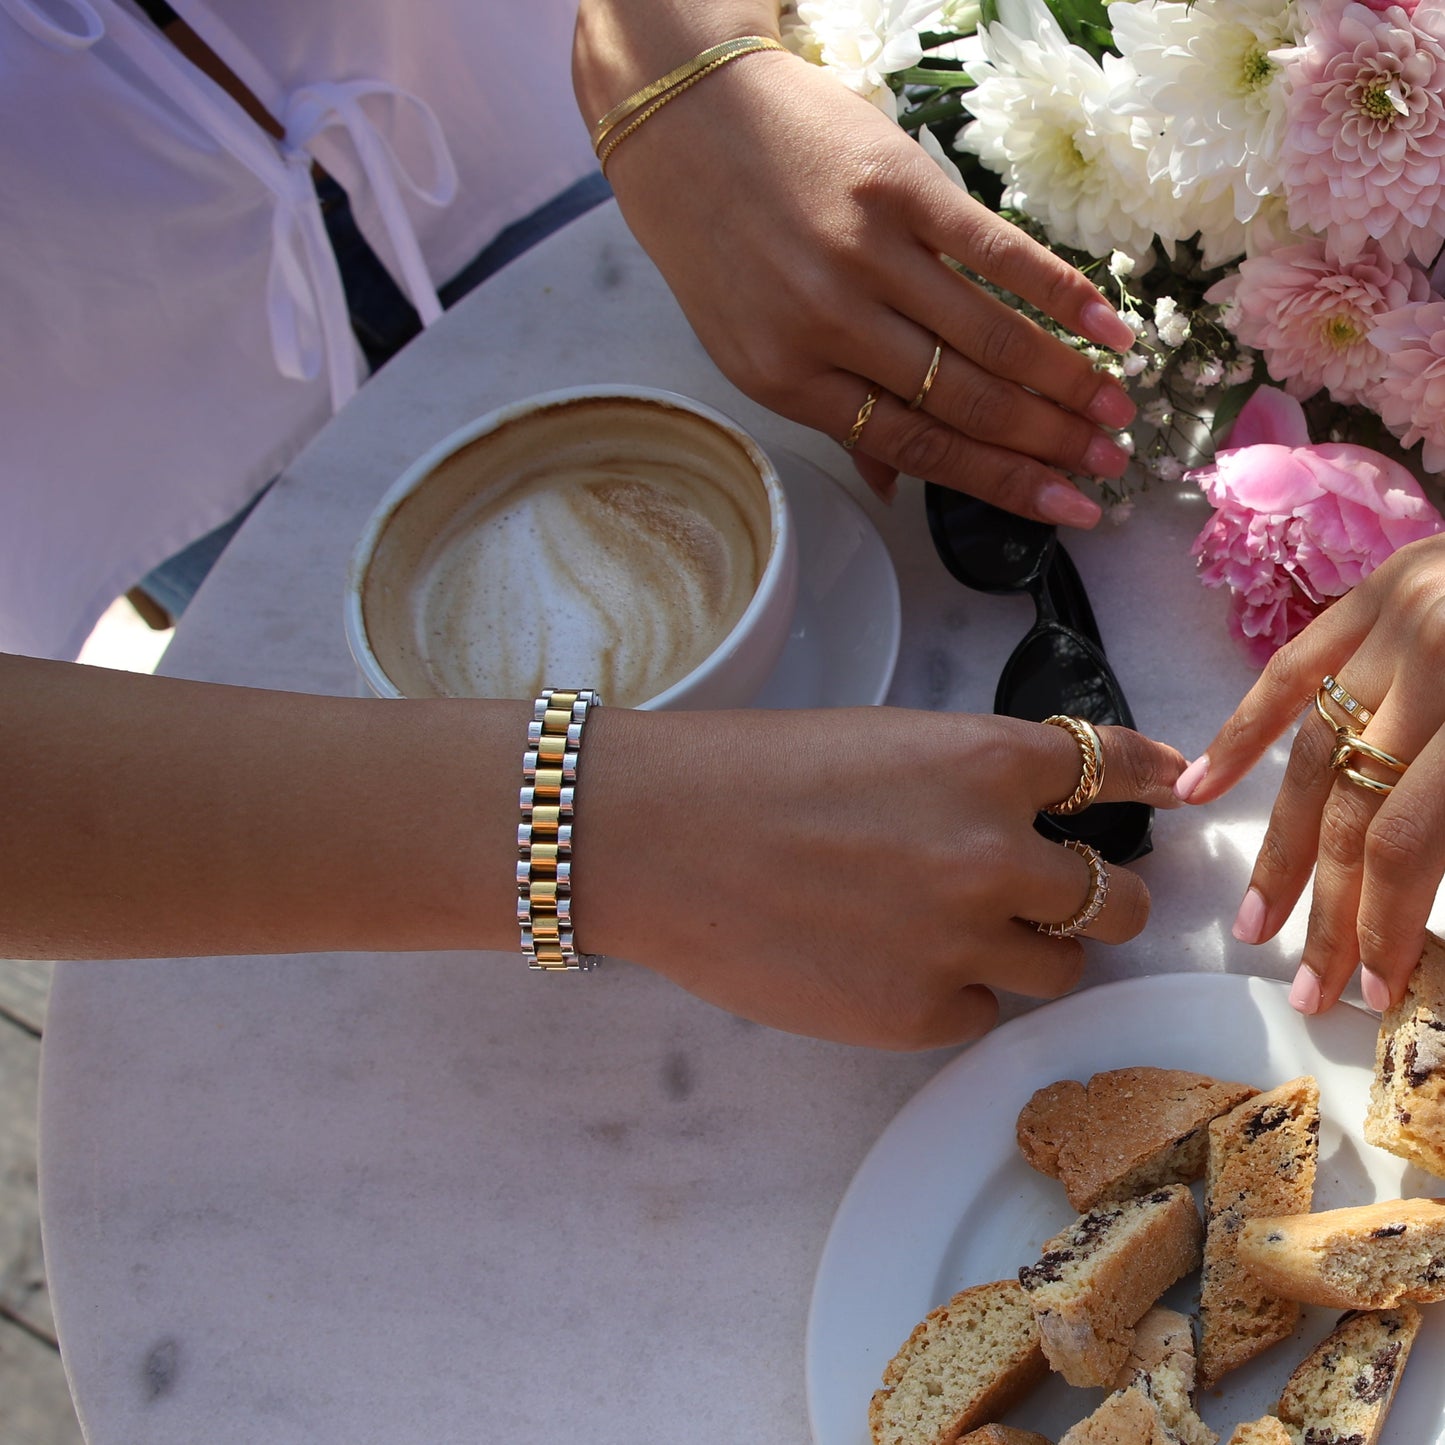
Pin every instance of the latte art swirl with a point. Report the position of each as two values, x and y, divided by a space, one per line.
618 556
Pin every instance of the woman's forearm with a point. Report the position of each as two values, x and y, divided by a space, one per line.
151 816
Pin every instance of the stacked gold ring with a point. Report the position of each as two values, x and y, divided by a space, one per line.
1349 743
1093 900
1091 760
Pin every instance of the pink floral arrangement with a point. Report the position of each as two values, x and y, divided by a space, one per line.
1263 181
1295 524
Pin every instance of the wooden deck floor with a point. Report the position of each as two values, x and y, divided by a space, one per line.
35 1404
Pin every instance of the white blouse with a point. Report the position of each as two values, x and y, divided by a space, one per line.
172 323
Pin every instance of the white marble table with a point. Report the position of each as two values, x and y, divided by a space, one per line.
436 1198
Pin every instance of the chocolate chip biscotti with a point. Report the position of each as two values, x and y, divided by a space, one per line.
1161 1366
965 1364
1369 1257
1127 1417
1096 1279
1262 1157
1125 1132
1264 1431
1407 1097
1343 1390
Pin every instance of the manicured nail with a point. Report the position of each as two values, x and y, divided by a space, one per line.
1249 921
1105 458
1111 407
1304 992
1375 990
1187 783
1100 322
1067 507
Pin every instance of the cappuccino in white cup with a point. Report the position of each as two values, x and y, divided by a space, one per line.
626 540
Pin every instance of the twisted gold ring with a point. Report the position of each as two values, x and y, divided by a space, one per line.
928 376
1091 763
861 420
1093 900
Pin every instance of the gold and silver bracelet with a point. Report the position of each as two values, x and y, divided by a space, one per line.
544 836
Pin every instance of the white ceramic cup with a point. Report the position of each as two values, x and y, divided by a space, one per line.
618 538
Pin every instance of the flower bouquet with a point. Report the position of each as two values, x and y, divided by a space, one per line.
1261 186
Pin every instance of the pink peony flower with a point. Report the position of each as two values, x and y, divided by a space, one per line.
1310 315
1411 400
1296 525
1363 153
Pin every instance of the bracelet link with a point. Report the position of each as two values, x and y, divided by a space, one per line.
544 835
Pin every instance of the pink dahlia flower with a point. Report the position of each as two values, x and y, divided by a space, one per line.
1310 315
1363 152
1296 525
1411 399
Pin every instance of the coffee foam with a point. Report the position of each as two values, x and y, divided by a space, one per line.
610 543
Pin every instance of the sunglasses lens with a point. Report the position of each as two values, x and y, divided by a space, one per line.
1057 670
983 546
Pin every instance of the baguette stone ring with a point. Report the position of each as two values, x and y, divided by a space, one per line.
1093 900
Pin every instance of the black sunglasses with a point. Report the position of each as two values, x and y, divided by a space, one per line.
1060 666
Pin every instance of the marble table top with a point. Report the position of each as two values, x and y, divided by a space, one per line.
439 1198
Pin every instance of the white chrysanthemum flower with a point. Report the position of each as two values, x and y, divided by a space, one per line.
862 42
1207 66
1044 122
961 15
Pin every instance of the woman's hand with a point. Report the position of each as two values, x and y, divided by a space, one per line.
802 232
1378 857
859 875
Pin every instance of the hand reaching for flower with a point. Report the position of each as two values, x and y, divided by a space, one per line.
803 232
1378 852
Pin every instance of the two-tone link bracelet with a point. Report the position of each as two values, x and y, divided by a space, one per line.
544 836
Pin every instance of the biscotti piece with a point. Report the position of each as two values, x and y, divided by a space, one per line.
1262 1157
1369 1257
1124 1133
1343 1390
1407 1096
1264 1431
1098 1277
1003 1435
1127 1417
1161 1366
965 1364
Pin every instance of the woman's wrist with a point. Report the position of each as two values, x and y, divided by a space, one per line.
623 45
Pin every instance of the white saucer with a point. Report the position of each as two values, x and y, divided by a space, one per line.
849 623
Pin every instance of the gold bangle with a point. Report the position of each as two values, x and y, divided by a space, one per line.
650 99
544 836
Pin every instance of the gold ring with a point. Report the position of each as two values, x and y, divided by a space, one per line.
1091 763
1372 785
1342 730
1093 900
1331 687
1347 744
861 420
928 377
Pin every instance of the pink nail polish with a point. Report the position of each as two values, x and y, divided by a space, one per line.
1111 407
1187 783
1100 322
1304 992
1066 507
1249 921
1375 990
1103 458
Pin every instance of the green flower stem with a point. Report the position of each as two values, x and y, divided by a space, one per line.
945 108
937 77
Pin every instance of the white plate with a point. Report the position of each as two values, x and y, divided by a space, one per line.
944 1199
846 632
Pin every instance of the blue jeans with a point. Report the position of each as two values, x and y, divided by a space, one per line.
384 321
